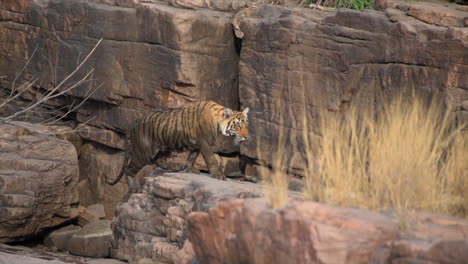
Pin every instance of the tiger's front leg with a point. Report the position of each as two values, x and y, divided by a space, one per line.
211 161
192 157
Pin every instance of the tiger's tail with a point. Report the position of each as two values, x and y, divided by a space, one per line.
122 170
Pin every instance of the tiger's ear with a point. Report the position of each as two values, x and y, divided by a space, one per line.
227 113
245 111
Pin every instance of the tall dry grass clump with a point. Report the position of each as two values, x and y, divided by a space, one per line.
409 155
275 179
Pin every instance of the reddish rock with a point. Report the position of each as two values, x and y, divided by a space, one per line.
248 231
436 13
38 181
27 255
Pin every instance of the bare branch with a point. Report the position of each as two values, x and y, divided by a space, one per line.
24 68
74 108
61 89
22 88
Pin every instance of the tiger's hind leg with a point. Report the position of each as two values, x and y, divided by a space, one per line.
161 162
192 157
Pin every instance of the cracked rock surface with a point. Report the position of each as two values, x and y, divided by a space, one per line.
304 61
38 181
248 231
152 224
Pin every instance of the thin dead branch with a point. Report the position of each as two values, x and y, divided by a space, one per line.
62 89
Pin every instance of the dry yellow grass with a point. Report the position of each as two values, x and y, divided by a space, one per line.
275 179
409 156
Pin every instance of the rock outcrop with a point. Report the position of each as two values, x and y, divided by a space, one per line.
297 62
38 180
25 255
248 231
152 224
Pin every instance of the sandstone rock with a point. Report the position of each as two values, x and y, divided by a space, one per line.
186 254
439 13
103 136
92 213
26 255
59 238
94 163
176 63
38 180
298 62
150 59
247 231
94 240
428 238
98 210
152 224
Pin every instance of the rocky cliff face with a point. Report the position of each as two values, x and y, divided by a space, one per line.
153 56
281 62
297 62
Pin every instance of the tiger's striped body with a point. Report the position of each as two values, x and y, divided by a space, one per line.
193 129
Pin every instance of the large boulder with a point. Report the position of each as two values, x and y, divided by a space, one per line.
248 231
38 180
152 224
58 239
297 62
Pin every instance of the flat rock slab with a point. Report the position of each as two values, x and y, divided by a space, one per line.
25 255
59 238
93 240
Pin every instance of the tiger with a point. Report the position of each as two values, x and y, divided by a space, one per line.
193 129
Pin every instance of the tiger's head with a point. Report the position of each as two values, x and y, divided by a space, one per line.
235 125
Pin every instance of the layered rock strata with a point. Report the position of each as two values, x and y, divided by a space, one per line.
38 181
248 231
152 224
305 62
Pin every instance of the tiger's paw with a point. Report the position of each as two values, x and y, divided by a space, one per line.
219 176
193 170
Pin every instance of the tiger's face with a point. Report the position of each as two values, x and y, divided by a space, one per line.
236 126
